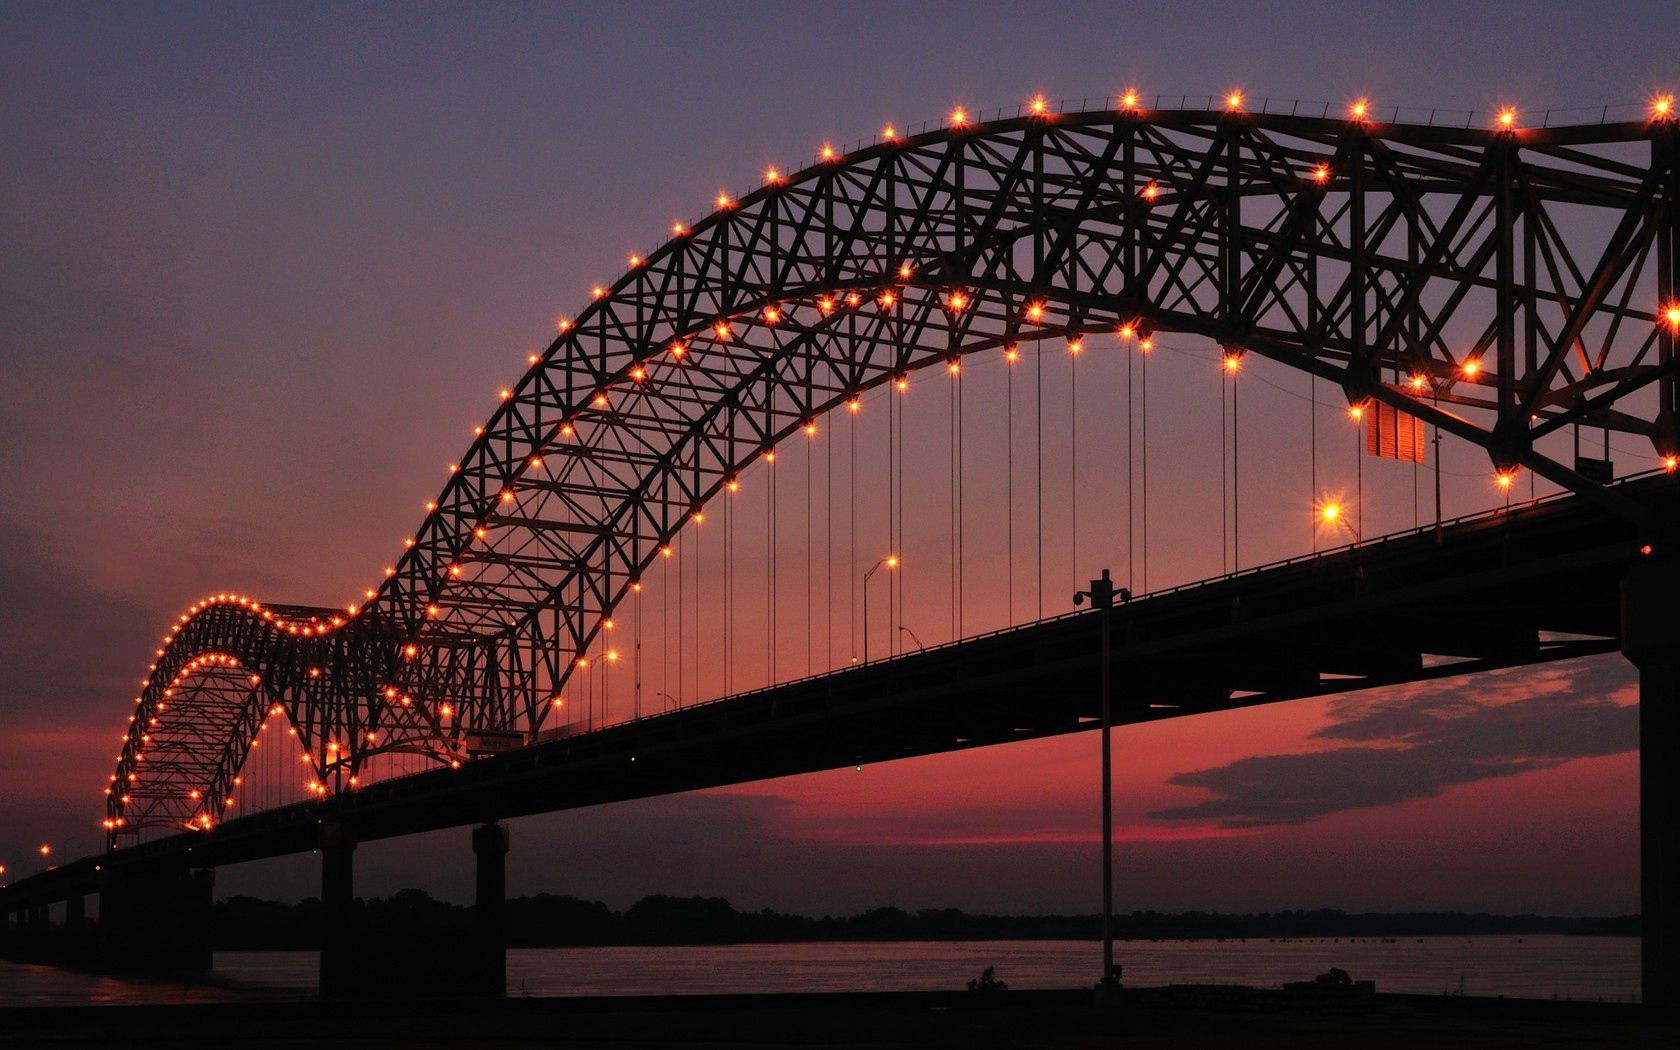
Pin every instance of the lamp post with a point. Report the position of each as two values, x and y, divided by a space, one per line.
888 562
1101 596
670 701
913 637
1331 514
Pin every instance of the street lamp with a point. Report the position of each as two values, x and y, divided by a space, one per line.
913 637
1101 596
888 562
670 701
1332 514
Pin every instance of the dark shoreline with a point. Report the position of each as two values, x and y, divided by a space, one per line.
556 921
1178 1017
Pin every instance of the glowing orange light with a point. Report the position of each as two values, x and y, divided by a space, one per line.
772 315
888 298
889 133
1039 105
600 401
721 330
1129 100
678 229
828 152
411 651
811 429
1508 117
1035 311
854 405
892 561
1151 191
959 117
1356 413
597 292
1321 173
723 200
1330 512
954 366
1233 362
902 383
1146 344
772 175
904 271
1471 368
45 850
1359 108
1075 346
562 324
1234 101
1126 331
1662 107
734 486
1671 463
1012 354
956 302
1672 315
1417 382
825 305
853 299
638 373
1504 478
635 261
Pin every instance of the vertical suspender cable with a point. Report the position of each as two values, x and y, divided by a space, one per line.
771 613
1009 476
1038 446
1073 461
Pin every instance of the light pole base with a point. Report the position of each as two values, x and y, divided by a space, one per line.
1107 994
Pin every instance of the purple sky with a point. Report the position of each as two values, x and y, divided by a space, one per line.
263 268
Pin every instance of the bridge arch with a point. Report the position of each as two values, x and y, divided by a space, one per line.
1421 267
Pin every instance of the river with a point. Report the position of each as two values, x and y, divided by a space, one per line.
1539 967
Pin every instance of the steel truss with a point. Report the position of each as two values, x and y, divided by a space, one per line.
1501 284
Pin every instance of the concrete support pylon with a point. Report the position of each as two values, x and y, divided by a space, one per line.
338 939
490 847
1651 640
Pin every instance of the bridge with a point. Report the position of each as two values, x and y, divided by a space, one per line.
1504 286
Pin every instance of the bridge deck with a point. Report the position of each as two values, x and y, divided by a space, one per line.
1536 583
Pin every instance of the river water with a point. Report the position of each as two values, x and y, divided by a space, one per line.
1545 967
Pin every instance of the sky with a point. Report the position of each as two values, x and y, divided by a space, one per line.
262 268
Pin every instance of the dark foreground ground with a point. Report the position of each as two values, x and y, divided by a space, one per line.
1150 1018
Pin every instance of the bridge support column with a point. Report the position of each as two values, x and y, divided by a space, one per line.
490 845
75 930
338 942
1651 640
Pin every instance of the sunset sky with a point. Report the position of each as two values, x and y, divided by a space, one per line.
262 270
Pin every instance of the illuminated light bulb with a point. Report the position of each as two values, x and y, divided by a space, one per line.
1417 382
665 552
1508 117
678 229
636 587
1129 100
506 495
635 261
1330 512
481 532
583 661
954 366
562 324
956 302
1039 105
1504 478
699 518
825 305
1233 362
723 201
889 133
678 349
772 175
1321 173
888 299
853 299
1151 191
411 651
828 152
1035 311
1356 413
892 561
1127 331
368 592
597 292
1076 346
902 383
1012 354
1234 101
734 486
1146 344
772 315
722 331
536 462
959 117
430 506
770 456
600 400
454 468
1671 463
432 612
904 271
1471 368
854 405
1662 107
811 429
1672 315
1359 108
612 656
638 373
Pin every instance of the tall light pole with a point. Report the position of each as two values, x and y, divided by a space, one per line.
888 562
1101 596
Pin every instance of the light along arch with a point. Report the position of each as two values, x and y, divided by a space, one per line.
1500 282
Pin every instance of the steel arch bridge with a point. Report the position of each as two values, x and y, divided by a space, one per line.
1355 250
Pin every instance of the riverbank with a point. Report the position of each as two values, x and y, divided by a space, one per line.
1148 1018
